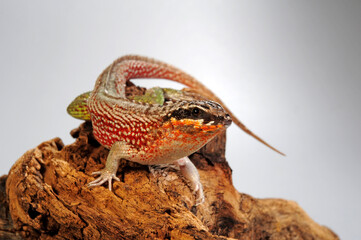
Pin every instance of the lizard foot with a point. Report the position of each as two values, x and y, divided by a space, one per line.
105 176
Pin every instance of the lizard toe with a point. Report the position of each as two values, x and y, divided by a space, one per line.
105 176
198 192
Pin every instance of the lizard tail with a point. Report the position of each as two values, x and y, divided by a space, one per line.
131 67
78 107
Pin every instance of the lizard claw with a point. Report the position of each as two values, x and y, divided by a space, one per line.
198 191
105 176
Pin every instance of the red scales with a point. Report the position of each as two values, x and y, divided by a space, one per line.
111 124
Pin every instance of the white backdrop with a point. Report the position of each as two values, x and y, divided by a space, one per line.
290 70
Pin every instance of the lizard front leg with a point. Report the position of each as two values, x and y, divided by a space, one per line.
190 172
107 174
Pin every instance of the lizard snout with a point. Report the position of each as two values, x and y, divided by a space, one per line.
227 120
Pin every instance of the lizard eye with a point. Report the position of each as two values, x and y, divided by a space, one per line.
195 111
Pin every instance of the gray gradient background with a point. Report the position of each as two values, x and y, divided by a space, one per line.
290 70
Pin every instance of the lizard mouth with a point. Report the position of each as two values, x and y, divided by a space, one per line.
225 121
193 126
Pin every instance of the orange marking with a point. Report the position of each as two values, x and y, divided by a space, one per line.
211 127
186 122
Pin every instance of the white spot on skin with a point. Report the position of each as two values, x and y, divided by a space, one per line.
210 123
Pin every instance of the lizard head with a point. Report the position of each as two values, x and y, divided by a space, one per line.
198 118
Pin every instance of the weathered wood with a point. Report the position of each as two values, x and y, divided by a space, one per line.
7 230
47 198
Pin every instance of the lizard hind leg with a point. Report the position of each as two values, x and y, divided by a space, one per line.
190 172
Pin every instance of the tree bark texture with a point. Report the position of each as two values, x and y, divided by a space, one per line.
47 197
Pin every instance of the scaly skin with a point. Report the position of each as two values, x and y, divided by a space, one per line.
78 108
150 133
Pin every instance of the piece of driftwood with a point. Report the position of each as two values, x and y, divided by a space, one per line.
47 198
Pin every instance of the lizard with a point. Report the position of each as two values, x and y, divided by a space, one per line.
151 133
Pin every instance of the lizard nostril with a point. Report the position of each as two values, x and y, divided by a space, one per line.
227 120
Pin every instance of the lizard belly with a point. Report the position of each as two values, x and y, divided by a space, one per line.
161 154
169 149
